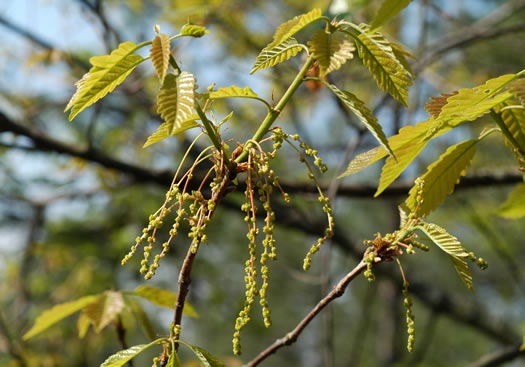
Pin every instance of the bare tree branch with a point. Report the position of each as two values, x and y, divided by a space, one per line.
506 354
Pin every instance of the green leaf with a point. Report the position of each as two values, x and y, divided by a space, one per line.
141 317
401 55
193 30
105 309
162 297
57 313
388 10
358 107
107 72
393 168
83 325
514 119
406 138
471 103
271 56
176 106
160 55
378 56
205 357
232 92
514 207
517 88
121 358
442 176
331 50
173 361
452 247
291 27
403 214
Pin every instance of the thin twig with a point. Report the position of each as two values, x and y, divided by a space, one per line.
506 354
292 336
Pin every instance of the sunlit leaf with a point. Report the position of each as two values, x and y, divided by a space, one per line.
362 112
163 297
435 104
271 56
514 119
105 309
401 55
83 324
160 55
388 10
331 50
378 56
207 359
452 247
442 176
193 30
291 27
175 104
393 168
173 361
233 91
517 88
141 317
514 207
406 138
57 313
470 103
121 358
403 214
107 72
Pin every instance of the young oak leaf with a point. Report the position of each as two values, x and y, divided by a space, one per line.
471 103
514 207
362 112
378 56
442 176
105 309
119 359
107 73
193 30
271 56
452 247
331 50
160 55
294 25
388 10
57 313
175 104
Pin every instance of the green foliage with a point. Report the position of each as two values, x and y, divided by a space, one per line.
104 309
162 297
359 109
236 92
160 55
193 30
388 10
121 358
206 358
176 106
514 207
271 56
57 313
291 27
442 176
107 73
331 50
378 56
470 103
452 247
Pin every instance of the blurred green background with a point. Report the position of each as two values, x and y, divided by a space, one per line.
73 196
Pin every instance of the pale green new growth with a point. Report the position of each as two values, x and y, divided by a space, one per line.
452 247
160 55
359 108
271 56
470 103
442 176
514 207
388 10
162 297
405 138
377 54
57 313
193 31
331 50
121 358
236 92
518 89
176 105
294 25
107 72
104 310
514 120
